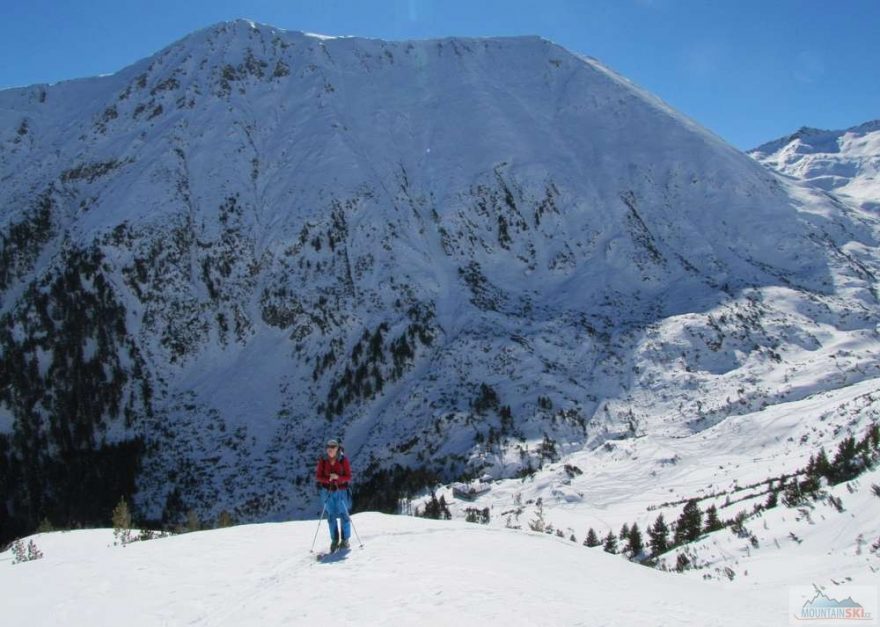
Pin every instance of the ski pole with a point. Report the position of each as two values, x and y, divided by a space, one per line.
320 520
347 515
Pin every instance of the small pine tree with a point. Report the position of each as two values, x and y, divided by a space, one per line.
225 520
845 465
738 526
792 495
872 436
18 551
121 523
444 508
822 465
22 554
712 521
192 521
474 515
45 526
610 544
437 508
689 524
33 553
772 499
658 536
592 539
634 544
624 533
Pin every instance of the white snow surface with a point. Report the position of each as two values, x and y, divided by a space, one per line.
410 570
844 162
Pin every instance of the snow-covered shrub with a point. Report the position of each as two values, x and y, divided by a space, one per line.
23 554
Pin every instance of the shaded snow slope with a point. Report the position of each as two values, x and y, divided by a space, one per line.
436 573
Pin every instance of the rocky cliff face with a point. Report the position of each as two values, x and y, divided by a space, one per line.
459 255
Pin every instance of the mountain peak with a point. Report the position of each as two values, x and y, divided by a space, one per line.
843 161
453 252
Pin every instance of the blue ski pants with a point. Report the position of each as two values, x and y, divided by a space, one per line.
337 505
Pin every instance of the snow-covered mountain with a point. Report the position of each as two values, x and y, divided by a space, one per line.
844 162
460 255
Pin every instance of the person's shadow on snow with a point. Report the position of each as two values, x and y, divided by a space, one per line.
339 556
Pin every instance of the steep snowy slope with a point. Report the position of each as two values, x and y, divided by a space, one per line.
845 162
456 254
435 573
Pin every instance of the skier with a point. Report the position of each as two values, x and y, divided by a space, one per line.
333 475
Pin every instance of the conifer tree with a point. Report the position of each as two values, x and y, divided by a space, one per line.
121 522
592 539
792 496
872 436
19 552
33 552
737 525
437 508
658 536
712 521
634 543
624 532
45 526
845 465
822 465
444 508
610 544
192 521
689 524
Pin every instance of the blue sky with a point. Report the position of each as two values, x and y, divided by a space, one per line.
749 70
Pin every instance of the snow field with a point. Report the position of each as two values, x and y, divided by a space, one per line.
436 573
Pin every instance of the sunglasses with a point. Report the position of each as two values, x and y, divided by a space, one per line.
332 447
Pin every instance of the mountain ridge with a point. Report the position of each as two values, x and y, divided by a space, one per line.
844 162
459 255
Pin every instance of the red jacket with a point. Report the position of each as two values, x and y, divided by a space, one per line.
339 466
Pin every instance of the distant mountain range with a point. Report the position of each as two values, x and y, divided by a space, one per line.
462 256
845 162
